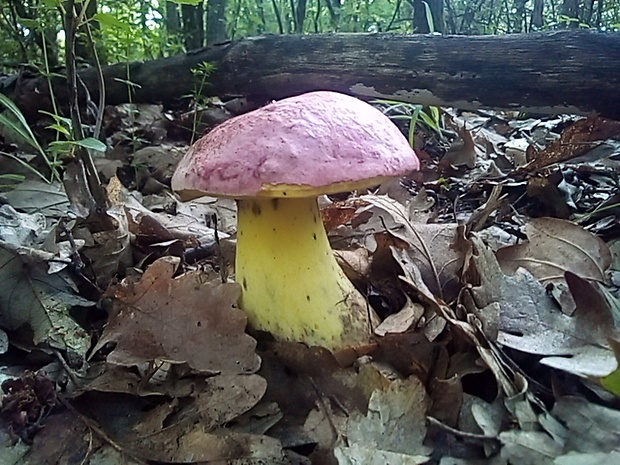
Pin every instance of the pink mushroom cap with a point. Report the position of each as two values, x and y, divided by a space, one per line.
319 142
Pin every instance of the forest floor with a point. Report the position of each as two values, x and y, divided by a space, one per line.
495 269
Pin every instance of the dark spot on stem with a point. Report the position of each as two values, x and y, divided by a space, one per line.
274 203
245 284
308 298
256 209
314 236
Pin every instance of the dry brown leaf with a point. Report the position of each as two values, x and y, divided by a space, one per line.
107 249
66 440
395 425
461 153
531 322
222 399
555 246
222 446
433 248
408 317
576 140
228 396
179 320
120 379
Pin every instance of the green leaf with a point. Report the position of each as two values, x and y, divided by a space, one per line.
61 146
59 119
108 20
18 130
92 144
59 128
10 181
23 127
611 382
29 23
186 2
12 177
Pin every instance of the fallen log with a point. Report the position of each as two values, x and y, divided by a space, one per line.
548 72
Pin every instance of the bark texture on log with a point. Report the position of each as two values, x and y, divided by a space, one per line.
553 72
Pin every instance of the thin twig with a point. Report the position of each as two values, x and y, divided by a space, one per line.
92 426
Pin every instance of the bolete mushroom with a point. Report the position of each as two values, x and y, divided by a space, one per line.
276 161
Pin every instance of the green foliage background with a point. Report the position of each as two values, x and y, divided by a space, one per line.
128 30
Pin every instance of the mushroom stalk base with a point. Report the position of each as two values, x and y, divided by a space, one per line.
292 285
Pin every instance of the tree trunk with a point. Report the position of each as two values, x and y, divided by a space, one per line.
421 22
173 18
83 49
216 21
193 26
553 72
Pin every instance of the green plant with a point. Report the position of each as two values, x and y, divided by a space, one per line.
9 181
201 74
417 115
15 122
52 156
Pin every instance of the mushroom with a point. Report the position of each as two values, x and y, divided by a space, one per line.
276 161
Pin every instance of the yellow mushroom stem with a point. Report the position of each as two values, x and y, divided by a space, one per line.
292 285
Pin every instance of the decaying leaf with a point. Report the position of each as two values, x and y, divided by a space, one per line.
433 247
178 320
462 152
400 322
555 246
531 322
66 440
199 446
20 229
529 447
228 396
171 434
599 458
29 297
107 250
577 139
577 344
592 427
394 427
38 197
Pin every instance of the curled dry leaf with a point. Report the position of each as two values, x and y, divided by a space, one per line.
182 319
433 246
462 152
555 246
107 250
402 321
576 140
